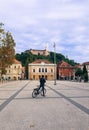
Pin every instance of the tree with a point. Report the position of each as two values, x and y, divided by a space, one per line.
78 72
27 57
7 51
85 73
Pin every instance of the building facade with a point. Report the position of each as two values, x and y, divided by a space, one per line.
41 67
65 71
15 71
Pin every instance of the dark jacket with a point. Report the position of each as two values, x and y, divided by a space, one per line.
42 81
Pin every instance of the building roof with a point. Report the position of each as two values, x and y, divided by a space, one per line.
40 61
16 61
86 63
64 64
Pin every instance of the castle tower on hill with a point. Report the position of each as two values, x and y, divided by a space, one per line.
44 52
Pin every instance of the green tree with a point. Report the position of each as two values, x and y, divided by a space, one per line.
85 73
27 57
7 51
78 72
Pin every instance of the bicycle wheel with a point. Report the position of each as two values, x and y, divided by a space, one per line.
44 90
34 94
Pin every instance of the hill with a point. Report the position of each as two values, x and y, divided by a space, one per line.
27 57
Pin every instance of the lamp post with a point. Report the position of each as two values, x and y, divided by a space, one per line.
54 63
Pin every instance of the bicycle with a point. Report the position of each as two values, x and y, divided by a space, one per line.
38 91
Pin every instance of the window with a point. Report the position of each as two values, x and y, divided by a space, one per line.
45 69
51 77
15 67
42 69
9 67
51 70
34 77
33 70
18 67
39 76
46 77
39 69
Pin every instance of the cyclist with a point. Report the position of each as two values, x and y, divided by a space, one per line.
42 83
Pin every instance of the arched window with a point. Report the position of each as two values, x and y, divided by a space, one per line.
39 69
42 69
45 69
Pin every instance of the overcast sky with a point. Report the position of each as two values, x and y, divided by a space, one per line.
36 24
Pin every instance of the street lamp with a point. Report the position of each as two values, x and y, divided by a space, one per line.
54 63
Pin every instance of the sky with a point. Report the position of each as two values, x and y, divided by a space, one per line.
36 24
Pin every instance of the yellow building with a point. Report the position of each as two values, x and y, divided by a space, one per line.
15 71
41 67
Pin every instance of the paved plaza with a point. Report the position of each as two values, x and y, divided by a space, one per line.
65 106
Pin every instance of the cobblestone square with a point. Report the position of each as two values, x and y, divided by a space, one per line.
65 106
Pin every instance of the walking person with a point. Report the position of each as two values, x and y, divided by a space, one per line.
42 83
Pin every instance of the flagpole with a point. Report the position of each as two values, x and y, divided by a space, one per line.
54 63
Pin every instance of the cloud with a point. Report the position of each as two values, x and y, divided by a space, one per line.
35 23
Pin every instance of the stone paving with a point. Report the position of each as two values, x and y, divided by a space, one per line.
65 106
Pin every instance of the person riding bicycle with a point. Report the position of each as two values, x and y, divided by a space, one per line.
42 83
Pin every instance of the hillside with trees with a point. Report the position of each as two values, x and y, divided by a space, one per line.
27 58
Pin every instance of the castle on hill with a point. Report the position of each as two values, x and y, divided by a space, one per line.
44 52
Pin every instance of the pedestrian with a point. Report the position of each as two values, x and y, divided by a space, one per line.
42 83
